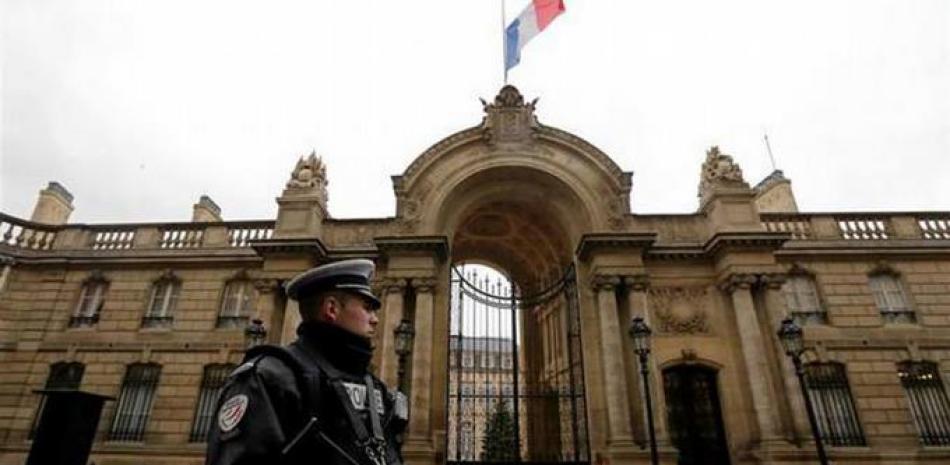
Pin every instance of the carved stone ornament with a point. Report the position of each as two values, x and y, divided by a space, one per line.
509 119
604 282
265 286
719 170
680 310
309 173
407 214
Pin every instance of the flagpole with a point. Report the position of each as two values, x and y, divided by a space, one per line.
504 43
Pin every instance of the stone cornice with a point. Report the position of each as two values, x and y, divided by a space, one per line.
313 246
391 245
151 256
720 242
852 248
593 242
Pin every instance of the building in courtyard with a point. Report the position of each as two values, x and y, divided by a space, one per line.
154 314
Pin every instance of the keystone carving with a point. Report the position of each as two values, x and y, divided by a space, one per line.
680 310
719 170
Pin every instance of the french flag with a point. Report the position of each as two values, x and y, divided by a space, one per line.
534 19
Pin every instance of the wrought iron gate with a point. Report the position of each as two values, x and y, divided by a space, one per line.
516 373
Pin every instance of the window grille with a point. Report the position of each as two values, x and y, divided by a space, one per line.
161 304
801 297
135 402
890 299
211 385
237 303
928 401
834 406
62 375
91 299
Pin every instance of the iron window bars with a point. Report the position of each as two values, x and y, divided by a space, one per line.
830 394
135 402
212 382
928 401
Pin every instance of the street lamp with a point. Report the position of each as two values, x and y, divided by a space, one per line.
640 333
255 333
792 340
404 334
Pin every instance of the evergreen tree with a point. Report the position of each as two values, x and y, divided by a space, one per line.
498 444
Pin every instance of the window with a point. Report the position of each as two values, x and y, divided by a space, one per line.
237 304
890 299
211 385
506 361
467 360
162 303
89 305
834 407
801 297
62 375
135 402
928 401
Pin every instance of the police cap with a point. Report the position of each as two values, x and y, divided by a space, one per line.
345 275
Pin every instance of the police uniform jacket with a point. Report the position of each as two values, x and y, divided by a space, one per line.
269 401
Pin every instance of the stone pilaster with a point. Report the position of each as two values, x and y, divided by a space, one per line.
619 434
739 287
392 314
266 306
420 403
638 301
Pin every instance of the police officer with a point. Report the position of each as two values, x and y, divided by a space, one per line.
314 401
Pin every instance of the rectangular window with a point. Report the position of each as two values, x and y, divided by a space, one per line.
161 304
62 375
830 394
135 402
801 297
211 385
928 401
237 304
91 299
890 299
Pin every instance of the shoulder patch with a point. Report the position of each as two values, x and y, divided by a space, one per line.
231 413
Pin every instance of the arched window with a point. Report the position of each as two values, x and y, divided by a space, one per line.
62 375
135 402
237 303
162 302
91 299
834 407
801 297
211 385
890 298
928 401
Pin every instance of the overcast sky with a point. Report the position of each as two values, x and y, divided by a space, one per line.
139 107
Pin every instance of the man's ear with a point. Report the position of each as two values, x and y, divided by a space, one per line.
330 309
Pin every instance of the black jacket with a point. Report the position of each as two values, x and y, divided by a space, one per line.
273 395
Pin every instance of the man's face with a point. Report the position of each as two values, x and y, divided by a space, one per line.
352 313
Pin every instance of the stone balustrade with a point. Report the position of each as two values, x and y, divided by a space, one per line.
860 226
19 234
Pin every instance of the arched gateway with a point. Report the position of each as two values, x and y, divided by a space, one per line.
539 368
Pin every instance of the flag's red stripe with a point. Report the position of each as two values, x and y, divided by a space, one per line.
546 11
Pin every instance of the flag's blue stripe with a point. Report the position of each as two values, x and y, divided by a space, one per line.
512 49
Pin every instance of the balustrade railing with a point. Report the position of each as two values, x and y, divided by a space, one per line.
241 234
934 226
798 226
112 237
859 226
181 237
863 227
23 234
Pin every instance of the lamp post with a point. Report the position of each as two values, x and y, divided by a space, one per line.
404 335
640 333
254 333
792 340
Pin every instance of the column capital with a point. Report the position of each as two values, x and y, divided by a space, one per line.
773 281
424 285
637 282
391 285
738 281
604 282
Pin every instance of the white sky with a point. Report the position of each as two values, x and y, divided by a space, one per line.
139 107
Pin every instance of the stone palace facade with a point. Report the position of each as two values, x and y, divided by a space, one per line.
154 314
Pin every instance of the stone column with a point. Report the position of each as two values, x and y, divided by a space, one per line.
638 301
393 292
739 286
421 375
776 311
619 433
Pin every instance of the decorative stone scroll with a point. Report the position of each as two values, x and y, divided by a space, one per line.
680 310
719 170
509 119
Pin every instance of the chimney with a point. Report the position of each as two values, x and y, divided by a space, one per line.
206 211
774 194
54 205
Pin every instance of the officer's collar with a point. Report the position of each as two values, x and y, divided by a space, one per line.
346 351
